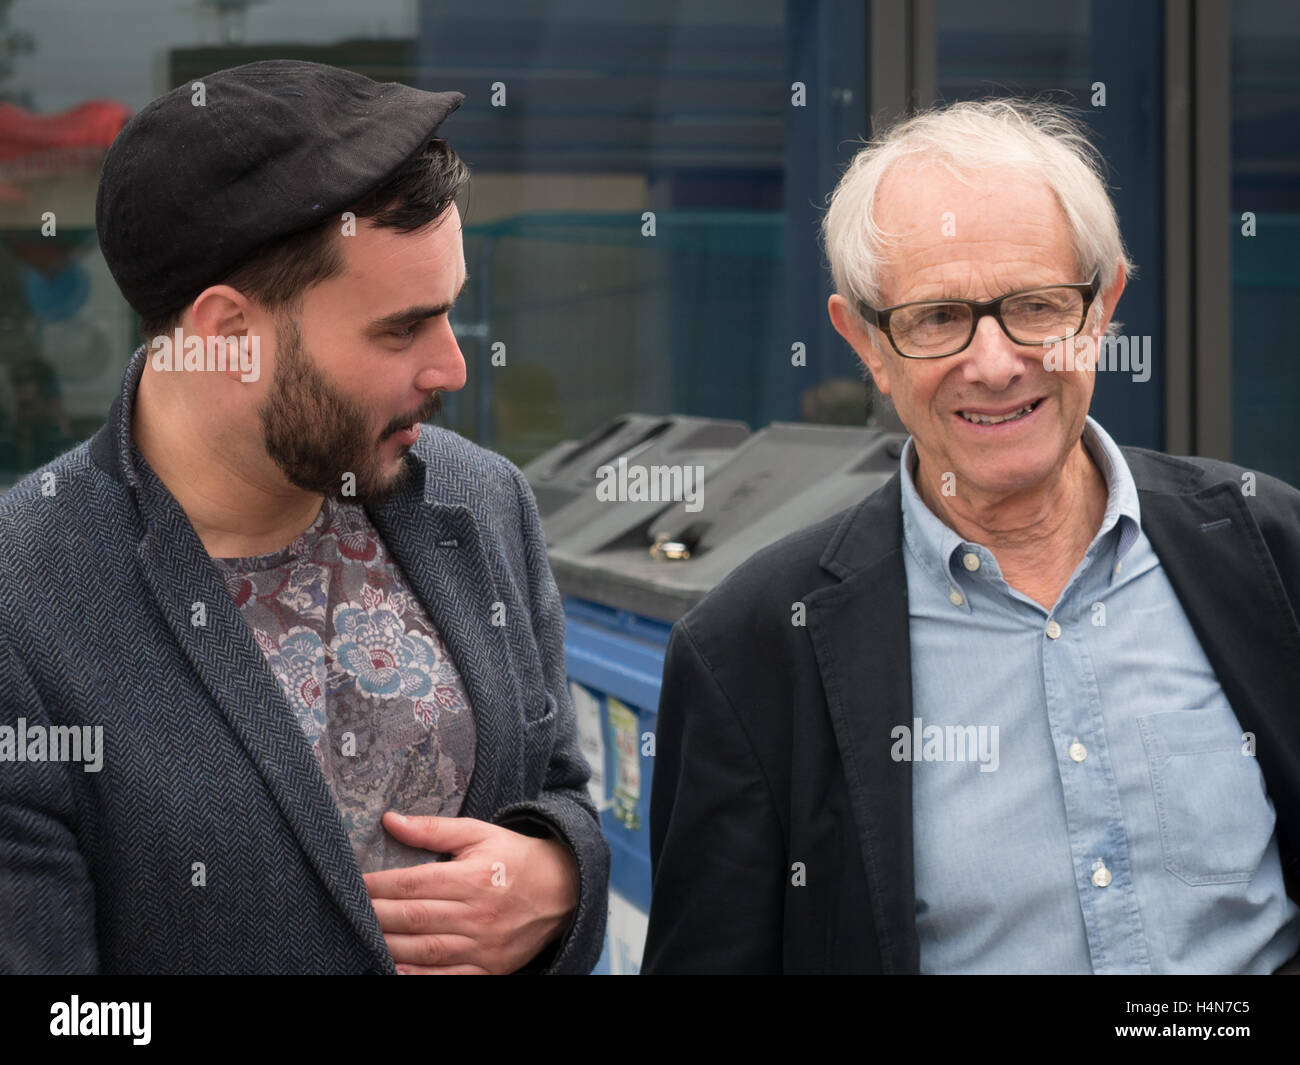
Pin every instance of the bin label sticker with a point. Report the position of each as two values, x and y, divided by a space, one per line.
627 754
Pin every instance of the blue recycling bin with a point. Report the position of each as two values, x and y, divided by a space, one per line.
615 660
629 569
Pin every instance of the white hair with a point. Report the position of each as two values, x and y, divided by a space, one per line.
1000 134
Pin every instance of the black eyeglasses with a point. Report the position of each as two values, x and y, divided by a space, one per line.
932 329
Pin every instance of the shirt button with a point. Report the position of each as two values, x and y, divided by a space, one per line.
1078 752
1119 566
1100 874
971 561
956 597
1053 629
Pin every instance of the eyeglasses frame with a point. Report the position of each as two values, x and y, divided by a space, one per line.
879 317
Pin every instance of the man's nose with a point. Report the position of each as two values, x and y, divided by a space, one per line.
444 363
993 359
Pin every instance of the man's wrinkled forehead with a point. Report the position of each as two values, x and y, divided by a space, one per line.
940 225
921 197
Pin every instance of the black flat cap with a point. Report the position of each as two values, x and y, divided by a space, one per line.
193 183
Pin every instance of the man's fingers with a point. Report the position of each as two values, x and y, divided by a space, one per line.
439 881
437 916
446 970
433 951
445 835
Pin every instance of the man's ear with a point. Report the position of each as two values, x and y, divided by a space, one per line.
220 310
861 338
225 312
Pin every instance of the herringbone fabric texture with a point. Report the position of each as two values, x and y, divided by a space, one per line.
209 842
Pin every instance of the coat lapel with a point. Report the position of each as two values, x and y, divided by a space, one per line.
859 631
232 667
440 551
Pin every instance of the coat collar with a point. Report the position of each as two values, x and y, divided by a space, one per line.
1216 559
110 447
437 545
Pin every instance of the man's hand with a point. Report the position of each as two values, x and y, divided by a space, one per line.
491 909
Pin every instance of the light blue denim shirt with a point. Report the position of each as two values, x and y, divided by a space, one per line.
1112 822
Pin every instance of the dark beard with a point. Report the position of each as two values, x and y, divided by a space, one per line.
316 434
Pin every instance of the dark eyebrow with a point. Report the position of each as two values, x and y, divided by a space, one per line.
417 313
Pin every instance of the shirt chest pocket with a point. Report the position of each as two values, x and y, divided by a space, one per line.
1214 813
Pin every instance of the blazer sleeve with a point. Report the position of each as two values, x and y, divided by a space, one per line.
47 918
563 808
716 846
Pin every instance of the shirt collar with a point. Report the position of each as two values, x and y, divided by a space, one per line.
934 544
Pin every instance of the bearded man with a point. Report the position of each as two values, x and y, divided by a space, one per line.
319 638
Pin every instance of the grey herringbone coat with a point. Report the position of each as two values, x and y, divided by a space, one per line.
203 760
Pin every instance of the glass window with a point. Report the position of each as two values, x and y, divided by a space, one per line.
1266 237
642 225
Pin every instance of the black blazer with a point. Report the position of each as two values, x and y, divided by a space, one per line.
780 828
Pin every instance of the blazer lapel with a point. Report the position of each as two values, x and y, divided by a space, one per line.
232 667
1215 556
859 631
440 551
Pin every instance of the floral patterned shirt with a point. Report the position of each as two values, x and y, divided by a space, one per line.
367 674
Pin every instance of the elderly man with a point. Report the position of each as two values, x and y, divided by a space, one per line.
314 644
1042 715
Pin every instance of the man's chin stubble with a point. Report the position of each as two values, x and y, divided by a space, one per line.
371 491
